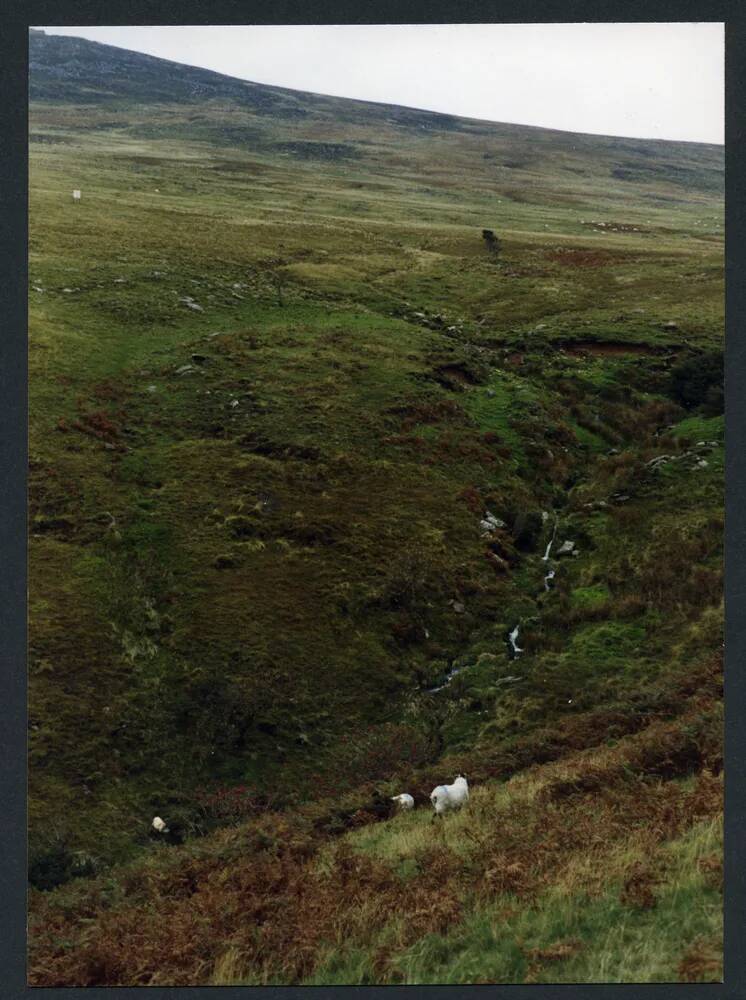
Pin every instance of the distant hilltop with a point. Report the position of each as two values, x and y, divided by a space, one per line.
65 69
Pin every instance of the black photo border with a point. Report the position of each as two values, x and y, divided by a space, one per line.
15 18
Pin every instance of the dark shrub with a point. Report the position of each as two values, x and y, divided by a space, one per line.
53 864
526 529
698 382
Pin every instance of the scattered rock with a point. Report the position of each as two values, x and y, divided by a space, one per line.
490 393
458 607
189 302
510 679
670 325
499 564
490 523
702 463
199 359
152 388
656 463
184 369
566 548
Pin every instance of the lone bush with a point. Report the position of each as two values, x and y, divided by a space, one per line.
492 243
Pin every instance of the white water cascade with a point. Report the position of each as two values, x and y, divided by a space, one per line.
545 557
513 639
449 677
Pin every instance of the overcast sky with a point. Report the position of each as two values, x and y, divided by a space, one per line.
647 80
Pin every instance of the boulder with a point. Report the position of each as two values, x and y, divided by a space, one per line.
189 302
490 523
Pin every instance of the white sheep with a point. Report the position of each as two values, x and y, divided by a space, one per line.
447 797
159 826
405 802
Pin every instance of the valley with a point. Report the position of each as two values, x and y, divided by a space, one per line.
300 440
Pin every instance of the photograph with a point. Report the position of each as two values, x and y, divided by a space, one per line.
376 504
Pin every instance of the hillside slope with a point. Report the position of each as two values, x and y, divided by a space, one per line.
300 443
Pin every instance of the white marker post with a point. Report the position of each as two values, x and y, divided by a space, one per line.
76 195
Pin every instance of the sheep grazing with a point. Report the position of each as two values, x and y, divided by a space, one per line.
447 797
404 802
159 826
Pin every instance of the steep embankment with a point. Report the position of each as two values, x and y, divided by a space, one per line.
294 431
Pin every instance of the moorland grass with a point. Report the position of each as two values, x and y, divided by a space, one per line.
276 381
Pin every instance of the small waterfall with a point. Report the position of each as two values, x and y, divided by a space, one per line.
513 639
548 578
545 557
449 677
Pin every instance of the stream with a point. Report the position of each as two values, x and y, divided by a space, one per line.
545 557
513 640
449 677
514 649
551 571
